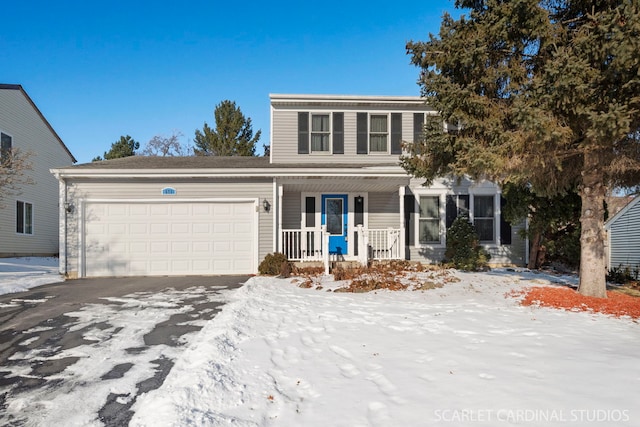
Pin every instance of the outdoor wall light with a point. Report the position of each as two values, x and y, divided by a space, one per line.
68 207
266 205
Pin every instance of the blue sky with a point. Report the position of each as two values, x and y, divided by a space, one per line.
98 70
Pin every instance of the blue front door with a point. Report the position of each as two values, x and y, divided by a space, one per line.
334 216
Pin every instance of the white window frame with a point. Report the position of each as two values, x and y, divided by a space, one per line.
495 218
24 231
329 149
443 216
442 201
387 133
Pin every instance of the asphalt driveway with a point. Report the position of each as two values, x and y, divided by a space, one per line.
99 335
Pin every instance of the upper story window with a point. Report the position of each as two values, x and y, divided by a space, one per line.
320 132
6 143
378 133
24 218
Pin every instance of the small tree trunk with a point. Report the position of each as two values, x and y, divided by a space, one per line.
535 247
592 255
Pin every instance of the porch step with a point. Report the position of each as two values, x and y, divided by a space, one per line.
344 264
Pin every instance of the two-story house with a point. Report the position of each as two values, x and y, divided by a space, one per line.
28 210
331 188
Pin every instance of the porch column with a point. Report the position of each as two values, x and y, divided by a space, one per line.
277 241
62 232
402 227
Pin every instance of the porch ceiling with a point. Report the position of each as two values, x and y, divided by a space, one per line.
342 184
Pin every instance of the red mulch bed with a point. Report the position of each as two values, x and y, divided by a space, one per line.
616 304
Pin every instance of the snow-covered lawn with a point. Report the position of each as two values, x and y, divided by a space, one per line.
20 274
280 355
460 355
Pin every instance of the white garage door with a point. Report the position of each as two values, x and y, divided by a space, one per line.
151 239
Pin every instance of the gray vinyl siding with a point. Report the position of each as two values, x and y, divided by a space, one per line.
284 148
624 238
291 211
186 189
384 210
30 133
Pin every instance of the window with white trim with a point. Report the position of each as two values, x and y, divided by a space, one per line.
429 220
24 217
378 133
320 133
484 217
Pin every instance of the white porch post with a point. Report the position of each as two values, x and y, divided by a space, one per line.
325 249
62 231
402 248
277 241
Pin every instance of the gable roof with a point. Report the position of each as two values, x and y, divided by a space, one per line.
5 86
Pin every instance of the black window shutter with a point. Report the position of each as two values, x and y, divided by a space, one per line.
418 123
451 210
409 208
303 133
362 137
310 212
505 227
338 133
396 133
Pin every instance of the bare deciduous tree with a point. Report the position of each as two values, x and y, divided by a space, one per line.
14 167
163 146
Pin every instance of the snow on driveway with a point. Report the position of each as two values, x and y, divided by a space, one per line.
280 355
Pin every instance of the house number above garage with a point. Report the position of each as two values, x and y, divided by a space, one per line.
168 191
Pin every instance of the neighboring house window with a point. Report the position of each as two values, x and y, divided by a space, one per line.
320 132
483 217
429 221
24 218
5 149
378 133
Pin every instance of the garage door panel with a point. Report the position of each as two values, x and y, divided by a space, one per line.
169 238
159 228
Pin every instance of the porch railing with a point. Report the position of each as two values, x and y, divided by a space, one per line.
383 244
312 245
302 245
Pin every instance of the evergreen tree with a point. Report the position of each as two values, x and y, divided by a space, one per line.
540 93
232 136
124 147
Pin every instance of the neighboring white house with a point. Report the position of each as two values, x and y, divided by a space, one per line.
623 237
29 219
332 180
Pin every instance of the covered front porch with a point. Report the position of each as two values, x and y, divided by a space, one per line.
328 219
